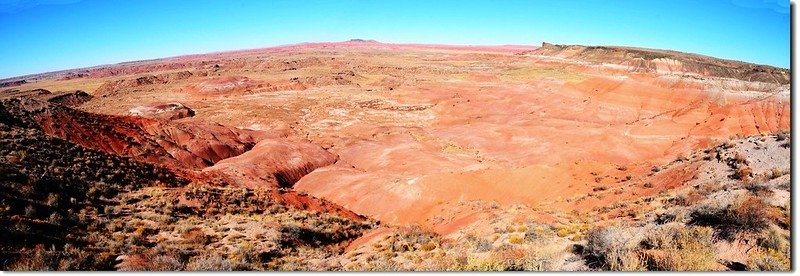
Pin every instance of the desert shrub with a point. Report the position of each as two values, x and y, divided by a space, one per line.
30 211
514 258
437 262
743 173
625 260
515 239
785 218
428 246
70 258
482 245
162 262
535 233
768 260
35 260
482 264
52 200
196 236
740 159
688 199
209 262
746 214
773 239
599 188
609 248
728 143
776 172
544 258
758 187
55 219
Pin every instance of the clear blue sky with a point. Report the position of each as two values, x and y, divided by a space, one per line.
46 35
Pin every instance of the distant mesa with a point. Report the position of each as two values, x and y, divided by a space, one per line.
643 60
13 83
65 98
358 40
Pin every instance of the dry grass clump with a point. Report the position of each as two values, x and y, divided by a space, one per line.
577 231
681 249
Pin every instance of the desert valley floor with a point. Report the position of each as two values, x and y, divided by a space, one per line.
362 155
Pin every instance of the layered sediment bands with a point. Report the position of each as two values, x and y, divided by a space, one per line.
664 61
192 146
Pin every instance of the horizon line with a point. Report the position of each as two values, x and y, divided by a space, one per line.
353 41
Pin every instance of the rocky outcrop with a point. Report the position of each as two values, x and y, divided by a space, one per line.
163 111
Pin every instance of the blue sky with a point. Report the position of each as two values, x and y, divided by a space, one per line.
46 35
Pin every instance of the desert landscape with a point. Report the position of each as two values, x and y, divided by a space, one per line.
369 156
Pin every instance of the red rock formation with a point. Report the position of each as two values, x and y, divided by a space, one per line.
189 145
